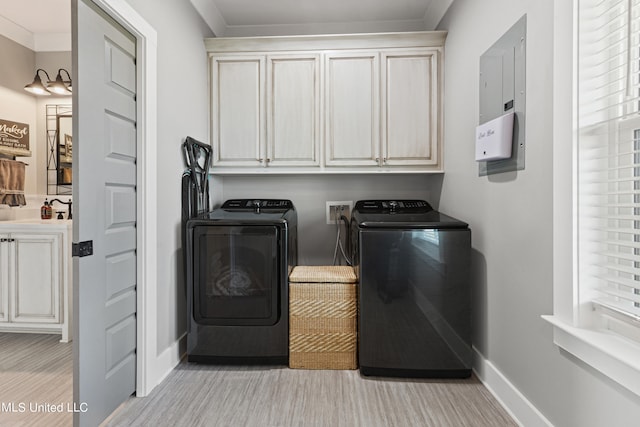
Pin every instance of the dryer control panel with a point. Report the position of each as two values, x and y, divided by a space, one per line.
257 204
382 206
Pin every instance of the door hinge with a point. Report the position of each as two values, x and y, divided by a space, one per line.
82 249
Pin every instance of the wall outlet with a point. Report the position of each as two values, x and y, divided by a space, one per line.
344 208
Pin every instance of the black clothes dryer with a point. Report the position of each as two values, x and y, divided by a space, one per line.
238 262
412 264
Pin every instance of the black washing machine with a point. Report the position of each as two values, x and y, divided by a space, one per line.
238 262
413 265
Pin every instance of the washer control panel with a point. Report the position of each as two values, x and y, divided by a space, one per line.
391 206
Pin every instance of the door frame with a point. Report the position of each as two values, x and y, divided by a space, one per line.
146 176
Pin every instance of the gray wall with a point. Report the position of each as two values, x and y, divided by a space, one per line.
17 67
511 220
51 62
182 110
309 193
16 70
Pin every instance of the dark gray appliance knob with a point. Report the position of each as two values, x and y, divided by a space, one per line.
393 206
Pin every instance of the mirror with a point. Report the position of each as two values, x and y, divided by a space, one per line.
65 149
59 149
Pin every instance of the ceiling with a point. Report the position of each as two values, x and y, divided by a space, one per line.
278 12
41 25
279 17
45 25
38 16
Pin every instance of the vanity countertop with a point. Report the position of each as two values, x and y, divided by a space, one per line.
57 224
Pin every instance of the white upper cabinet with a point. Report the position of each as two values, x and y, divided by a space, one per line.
293 110
352 133
327 104
265 110
237 110
410 107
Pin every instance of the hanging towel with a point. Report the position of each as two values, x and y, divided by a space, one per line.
12 183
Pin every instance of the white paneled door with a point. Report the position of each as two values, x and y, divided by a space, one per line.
104 191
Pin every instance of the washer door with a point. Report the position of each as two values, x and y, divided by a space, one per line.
236 275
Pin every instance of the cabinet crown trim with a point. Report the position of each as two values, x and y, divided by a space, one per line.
327 42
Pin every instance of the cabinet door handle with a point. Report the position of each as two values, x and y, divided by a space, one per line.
7 240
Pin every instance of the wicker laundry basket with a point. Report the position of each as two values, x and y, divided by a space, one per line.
323 312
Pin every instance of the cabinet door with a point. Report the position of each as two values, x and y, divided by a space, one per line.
293 110
238 97
410 107
35 290
352 109
4 277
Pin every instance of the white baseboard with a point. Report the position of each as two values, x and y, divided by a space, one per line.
514 402
167 361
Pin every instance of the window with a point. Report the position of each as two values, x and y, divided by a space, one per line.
596 200
608 164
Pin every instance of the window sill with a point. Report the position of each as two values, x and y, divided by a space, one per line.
616 357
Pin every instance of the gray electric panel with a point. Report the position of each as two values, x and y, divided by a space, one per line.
502 90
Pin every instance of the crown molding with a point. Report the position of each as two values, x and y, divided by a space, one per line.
16 33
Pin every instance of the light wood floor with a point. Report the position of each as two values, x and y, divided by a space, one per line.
35 370
205 395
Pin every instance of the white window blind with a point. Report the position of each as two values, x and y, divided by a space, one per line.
609 163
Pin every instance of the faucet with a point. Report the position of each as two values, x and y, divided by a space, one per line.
64 203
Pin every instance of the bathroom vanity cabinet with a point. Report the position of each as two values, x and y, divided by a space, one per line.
35 277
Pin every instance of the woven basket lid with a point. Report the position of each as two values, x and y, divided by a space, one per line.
322 274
